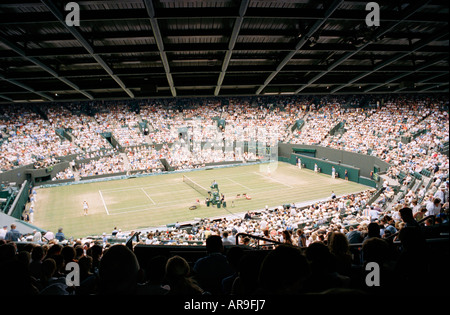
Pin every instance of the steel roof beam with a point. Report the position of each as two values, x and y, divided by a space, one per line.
421 67
315 27
433 87
189 33
395 58
41 65
159 41
6 98
199 12
231 44
26 87
219 48
86 45
410 11
423 81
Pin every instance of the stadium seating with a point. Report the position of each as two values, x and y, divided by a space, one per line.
378 131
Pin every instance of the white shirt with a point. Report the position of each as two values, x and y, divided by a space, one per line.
263 225
37 237
49 236
2 234
432 209
374 214
441 195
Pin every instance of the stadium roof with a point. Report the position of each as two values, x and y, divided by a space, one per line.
164 48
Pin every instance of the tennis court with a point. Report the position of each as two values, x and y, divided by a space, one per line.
152 201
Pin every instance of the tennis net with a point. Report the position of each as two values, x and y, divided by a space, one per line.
202 190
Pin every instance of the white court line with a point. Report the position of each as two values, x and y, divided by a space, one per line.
148 196
162 205
238 183
104 203
140 186
273 180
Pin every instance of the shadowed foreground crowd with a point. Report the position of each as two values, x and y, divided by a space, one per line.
323 267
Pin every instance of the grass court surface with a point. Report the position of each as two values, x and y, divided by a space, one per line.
152 201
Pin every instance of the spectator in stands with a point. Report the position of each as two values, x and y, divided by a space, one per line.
53 250
88 280
37 236
226 239
37 255
301 238
373 230
118 271
374 213
389 224
339 248
437 207
3 232
324 274
13 234
442 194
209 271
50 282
155 270
376 250
286 237
68 253
234 256
178 276
48 236
283 272
246 283
407 217
96 252
418 216
415 206
14 275
414 256
60 235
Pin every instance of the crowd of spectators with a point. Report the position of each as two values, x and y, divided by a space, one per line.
122 123
30 139
67 173
373 130
85 130
326 265
105 165
144 158
318 124
312 243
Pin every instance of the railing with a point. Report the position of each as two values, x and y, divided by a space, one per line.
268 242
